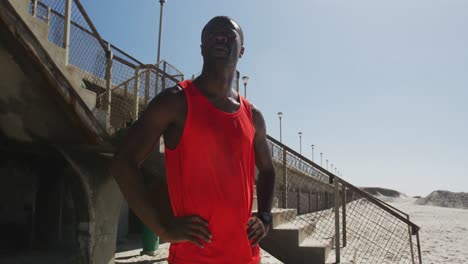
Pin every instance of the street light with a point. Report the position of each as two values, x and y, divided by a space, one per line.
300 142
245 79
312 152
332 168
160 30
280 115
321 156
327 164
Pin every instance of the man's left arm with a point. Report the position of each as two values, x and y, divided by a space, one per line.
266 178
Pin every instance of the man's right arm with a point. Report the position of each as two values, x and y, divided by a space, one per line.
137 145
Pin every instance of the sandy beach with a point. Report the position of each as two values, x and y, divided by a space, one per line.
443 235
444 231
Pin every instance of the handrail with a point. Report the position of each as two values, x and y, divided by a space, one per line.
120 59
144 68
90 23
331 176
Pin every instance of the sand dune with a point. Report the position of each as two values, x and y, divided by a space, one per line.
445 199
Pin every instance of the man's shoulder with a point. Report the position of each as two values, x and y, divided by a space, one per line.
169 101
173 96
255 111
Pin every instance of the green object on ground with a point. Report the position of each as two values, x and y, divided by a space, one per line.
150 241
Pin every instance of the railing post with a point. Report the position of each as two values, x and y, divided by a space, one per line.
298 200
317 196
343 214
336 199
163 81
49 10
34 8
410 240
147 86
66 30
156 86
108 98
135 93
125 106
285 180
419 248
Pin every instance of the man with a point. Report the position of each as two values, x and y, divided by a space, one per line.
213 139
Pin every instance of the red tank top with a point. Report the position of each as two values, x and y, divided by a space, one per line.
211 174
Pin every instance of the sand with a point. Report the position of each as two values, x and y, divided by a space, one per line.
443 233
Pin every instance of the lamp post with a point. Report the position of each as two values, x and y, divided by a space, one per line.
245 79
332 168
300 142
312 152
327 164
160 30
280 115
321 156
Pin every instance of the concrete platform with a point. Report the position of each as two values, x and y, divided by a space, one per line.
129 252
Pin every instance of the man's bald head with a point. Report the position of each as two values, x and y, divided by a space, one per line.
223 20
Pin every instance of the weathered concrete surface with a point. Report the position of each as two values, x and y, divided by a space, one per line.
27 111
41 106
34 86
57 54
105 201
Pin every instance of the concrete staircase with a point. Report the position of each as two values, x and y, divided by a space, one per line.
290 239
58 54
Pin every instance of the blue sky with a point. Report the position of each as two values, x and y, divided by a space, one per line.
380 87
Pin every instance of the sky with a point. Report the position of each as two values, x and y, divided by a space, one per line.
379 87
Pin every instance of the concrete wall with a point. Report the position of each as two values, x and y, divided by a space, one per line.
79 202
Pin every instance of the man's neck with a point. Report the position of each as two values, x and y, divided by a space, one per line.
216 81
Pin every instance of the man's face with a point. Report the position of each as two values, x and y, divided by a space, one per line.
221 41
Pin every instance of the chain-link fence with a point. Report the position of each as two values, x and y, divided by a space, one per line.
368 230
123 85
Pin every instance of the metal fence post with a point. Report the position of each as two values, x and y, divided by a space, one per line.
135 93
336 199
108 98
147 86
49 10
343 214
411 242
34 8
163 80
319 200
298 200
66 30
285 180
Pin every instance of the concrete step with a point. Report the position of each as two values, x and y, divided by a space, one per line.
293 242
255 203
281 216
303 229
41 31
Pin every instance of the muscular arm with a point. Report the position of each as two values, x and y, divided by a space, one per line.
264 163
137 145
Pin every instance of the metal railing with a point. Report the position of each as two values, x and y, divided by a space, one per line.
354 224
123 84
